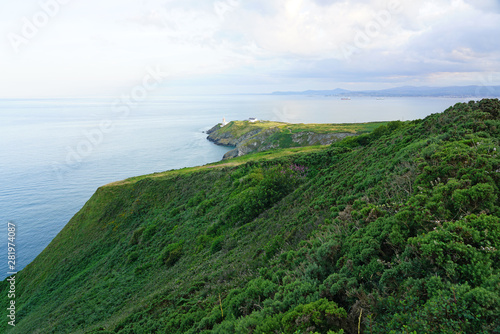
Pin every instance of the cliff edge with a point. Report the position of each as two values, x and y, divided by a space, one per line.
247 137
395 231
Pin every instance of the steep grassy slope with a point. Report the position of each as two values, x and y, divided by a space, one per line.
394 231
261 136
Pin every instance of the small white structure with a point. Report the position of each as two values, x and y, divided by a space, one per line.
224 121
252 119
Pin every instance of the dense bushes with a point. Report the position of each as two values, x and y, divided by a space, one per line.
396 231
261 189
171 254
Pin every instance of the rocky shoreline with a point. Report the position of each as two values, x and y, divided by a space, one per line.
262 139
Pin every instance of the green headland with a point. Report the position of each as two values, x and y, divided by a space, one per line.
394 230
258 136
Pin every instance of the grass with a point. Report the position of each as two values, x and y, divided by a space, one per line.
264 135
239 128
395 231
256 156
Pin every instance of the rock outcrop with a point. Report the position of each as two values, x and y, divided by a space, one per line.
258 139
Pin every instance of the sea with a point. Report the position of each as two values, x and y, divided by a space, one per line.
55 153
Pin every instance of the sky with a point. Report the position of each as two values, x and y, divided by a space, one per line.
74 48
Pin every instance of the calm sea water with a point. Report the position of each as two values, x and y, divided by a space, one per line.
55 153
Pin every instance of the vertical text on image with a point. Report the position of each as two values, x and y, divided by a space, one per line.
11 262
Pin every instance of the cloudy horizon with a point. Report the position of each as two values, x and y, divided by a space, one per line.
72 48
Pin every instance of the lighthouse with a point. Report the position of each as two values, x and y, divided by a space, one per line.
224 121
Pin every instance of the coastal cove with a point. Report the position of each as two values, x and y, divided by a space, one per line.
41 191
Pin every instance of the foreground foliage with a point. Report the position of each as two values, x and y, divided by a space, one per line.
396 231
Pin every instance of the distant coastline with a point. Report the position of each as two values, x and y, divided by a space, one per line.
407 91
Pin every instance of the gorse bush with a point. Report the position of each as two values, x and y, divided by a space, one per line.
171 254
393 231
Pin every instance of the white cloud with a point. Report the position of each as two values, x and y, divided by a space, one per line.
99 46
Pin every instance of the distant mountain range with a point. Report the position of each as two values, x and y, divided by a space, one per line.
452 91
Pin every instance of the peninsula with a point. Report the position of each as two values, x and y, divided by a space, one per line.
257 136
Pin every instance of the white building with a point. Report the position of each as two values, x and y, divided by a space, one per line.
224 121
252 119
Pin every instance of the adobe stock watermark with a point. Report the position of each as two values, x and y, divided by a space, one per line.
11 271
283 114
121 108
31 26
487 87
220 11
372 29
222 8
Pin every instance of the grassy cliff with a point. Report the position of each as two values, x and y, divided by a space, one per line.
248 137
395 231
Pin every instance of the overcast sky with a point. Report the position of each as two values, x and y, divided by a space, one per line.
104 47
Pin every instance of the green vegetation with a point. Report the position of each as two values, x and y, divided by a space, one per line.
239 128
248 137
253 157
393 231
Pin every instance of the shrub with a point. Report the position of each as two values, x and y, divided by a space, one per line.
171 254
321 315
217 244
134 239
